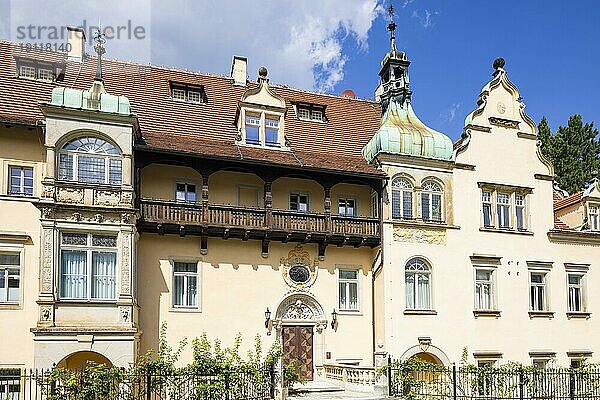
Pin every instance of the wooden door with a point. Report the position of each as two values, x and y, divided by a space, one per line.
298 347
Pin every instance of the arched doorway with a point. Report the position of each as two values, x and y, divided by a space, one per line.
427 357
300 320
78 361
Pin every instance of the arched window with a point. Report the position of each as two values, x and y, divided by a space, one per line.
431 201
90 160
402 199
418 285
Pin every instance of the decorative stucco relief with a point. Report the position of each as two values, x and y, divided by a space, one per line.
106 197
47 257
297 261
46 313
420 235
69 195
126 264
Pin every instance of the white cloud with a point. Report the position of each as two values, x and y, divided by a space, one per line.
425 18
450 114
406 3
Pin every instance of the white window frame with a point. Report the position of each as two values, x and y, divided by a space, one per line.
415 274
30 72
520 205
511 207
316 115
304 113
45 75
178 94
375 205
4 269
296 193
487 199
410 188
426 191
261 117
194 93
22 186
492 284
75 154
89 249
594 216
543 285
197 274
186 191
345 308
571 288
503 208
346 198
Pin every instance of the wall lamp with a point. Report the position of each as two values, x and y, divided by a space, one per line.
267 320
333 319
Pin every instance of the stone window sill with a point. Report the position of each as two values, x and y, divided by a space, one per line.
419 312
10 306
541 314
506 230
185 310
487 313
579 315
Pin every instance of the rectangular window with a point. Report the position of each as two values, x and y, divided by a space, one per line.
503 210
299 202
484 287
45 75
537 291
194 97
575 284
27 71
10 277
347 207
21 180
65 167
540 364
10 383
252 129
486 198
303 113
185 192
520 211
374 205
178 94
115 172
348 290
185 284
317 115
272 131
90 169
594 218
88 266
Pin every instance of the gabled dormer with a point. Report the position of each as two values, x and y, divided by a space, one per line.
261 116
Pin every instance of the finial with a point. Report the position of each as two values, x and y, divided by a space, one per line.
499 63
100 39
392 26
262 74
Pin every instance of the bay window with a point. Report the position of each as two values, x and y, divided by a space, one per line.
90 160
88 266
402 199
185 284
348 290
431 202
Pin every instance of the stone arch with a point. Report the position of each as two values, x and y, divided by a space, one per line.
300 308
432 353
79 359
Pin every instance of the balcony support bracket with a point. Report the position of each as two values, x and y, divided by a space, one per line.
265 244
322 247
203 244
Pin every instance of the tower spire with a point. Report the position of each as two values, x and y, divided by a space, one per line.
100 39
392 27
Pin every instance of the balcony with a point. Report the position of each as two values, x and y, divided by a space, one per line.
211 220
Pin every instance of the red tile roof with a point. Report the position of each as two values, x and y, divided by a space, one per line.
558 224
204 129
568 201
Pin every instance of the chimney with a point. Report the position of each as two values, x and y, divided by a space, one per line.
76 43
238 70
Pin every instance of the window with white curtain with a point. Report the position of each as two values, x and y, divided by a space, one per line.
537 291
576 292
484 289
21 180
90 160
10 277
348 290
594 217
418 285
402 199
185 284
431 201
88 266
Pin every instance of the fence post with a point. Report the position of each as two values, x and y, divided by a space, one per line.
571 385
454 381
521 385
389 375
272 373
148 383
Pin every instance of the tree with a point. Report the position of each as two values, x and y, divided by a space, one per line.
574 151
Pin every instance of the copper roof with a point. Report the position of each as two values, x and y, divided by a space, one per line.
202 129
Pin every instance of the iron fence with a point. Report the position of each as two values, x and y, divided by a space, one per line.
182 385
461 383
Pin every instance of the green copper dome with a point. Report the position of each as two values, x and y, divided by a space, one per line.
401 132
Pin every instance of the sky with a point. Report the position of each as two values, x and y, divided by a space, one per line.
551 47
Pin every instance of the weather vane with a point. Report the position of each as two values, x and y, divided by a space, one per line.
392 25
100 39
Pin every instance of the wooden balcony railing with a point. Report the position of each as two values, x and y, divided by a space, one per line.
190 214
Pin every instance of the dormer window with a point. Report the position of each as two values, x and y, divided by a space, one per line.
271 130
253 129
40 72
594 217
263 128
188 93
310 112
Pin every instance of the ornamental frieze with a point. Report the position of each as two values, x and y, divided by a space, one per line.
420 235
